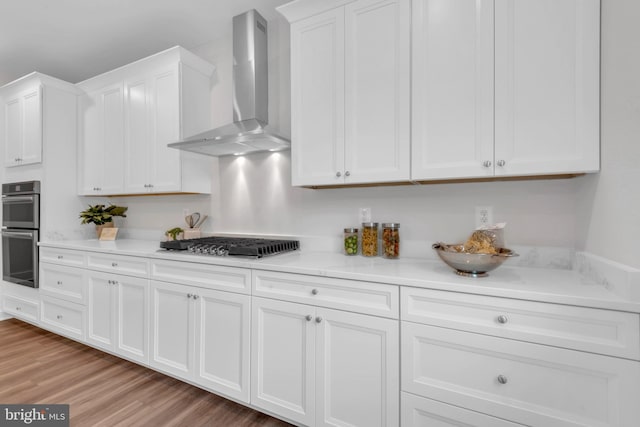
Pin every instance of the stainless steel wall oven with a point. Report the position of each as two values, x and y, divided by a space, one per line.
20 232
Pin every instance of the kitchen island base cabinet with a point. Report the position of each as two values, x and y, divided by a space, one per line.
202 336
117 315
323 367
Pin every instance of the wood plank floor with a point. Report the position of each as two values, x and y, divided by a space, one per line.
37 366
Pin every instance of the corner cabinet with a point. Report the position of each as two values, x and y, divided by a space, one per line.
350 77
129 115
504 88
36 111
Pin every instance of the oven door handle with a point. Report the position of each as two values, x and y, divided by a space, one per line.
27 234
17 199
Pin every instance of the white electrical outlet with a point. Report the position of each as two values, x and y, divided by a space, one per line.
364 214
484 215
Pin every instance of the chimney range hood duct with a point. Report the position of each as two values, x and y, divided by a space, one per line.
249 132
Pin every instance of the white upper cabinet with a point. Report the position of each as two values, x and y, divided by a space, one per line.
547 86
162 99
102 148
23 127
350 91
505 88
26 104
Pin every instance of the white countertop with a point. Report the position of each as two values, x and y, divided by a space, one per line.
537 284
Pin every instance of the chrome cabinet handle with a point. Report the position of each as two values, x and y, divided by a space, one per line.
347 173
318 319
59 282
195 296
502 319
501 163
314 292
189 295
486 164
114 264
60 257
338 174
309 317
19 308
59 316
502 379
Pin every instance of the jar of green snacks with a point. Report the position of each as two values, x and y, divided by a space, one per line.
350 241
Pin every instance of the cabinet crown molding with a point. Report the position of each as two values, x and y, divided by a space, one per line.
299 9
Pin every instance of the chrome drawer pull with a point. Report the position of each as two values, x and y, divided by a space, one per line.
189 295
59 282
503 319
314 292
318 319
195 296
502 379
19 308
114 264
60 257
309 317
59 316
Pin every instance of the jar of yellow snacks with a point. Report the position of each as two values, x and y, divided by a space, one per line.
369 244
391 240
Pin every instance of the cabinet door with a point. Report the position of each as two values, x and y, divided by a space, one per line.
547 86
101 306
317 99
377 85
132 297
165 167
222 334
283 359
137 135
172 345
452 126
103 141
357 371
23 128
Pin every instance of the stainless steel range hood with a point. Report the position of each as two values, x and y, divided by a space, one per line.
249 132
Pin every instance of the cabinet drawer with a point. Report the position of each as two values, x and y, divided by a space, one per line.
62 256
204 275
526 383
129 265
63 317
607 332
362 297
63 282
21 308
422 412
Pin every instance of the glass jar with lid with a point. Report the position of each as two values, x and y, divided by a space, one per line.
369 242
350 241
391 240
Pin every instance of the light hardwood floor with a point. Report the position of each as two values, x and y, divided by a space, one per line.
37 366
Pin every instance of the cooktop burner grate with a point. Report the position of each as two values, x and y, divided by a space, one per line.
232 246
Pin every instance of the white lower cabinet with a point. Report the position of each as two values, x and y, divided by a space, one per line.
202 336
526 383
422 412
117 314
63 317
323 367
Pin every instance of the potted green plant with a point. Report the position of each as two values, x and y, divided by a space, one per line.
102 216
174 233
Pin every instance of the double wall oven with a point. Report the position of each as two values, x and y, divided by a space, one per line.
20 232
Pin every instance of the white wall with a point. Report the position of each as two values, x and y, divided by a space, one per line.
597 213
608 207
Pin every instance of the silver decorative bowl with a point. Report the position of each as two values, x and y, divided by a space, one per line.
471 265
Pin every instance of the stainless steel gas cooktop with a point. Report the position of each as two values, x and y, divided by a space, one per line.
232 246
